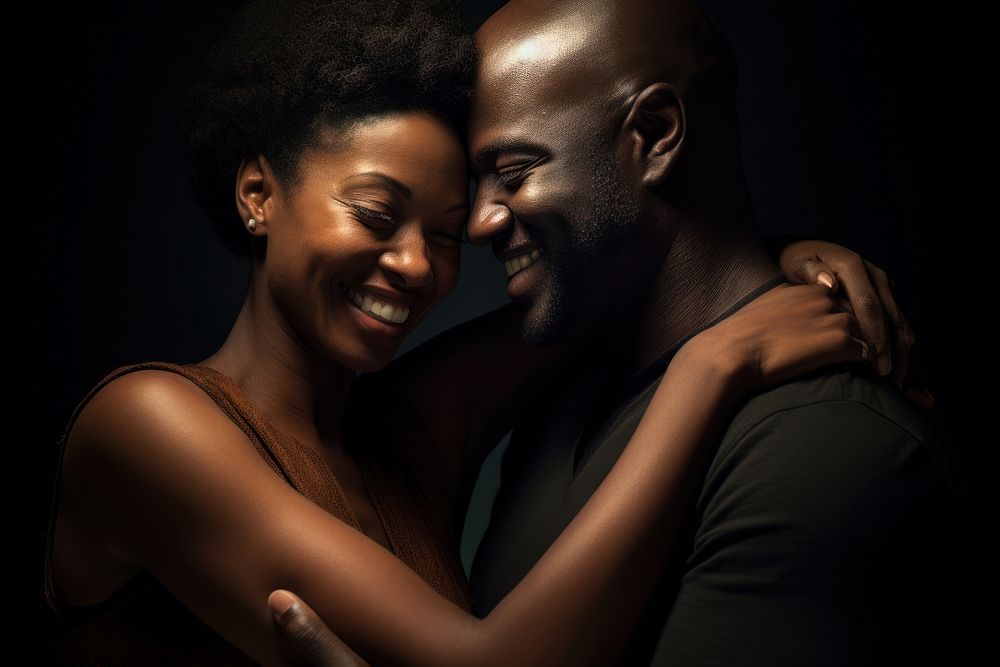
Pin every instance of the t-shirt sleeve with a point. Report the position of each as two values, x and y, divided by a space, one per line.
820 535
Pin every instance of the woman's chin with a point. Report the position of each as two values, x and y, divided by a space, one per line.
363 359
371 365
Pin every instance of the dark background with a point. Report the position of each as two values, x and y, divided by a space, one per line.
864 123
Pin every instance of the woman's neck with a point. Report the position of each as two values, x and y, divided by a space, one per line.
302 395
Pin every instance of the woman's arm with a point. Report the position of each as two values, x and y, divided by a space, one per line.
864 289
166 478
466 386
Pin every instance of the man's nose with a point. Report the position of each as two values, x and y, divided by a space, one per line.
488 218
408 261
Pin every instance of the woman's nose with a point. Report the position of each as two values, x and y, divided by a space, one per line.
408 261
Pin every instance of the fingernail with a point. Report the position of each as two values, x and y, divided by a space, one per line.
825 278
884 364
280 602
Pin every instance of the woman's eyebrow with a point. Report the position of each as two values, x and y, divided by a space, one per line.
386 179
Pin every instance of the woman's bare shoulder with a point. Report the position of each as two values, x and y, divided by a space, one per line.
150 422
141 403
136 444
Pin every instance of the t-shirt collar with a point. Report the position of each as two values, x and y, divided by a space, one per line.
658 366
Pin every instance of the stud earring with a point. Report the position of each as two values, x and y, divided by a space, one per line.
252 225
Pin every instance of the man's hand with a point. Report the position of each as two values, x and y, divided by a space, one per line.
309 640
866 292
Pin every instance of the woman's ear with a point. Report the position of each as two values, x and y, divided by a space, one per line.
654 128
254 186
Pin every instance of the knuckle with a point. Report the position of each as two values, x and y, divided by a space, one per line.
809 266
870 303
905 331
854 262
841 337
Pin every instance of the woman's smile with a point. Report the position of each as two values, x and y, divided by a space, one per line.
380 307
378 311
374 221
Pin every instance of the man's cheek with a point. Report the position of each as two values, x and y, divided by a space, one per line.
542 195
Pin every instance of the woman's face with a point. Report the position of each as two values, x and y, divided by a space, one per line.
370 238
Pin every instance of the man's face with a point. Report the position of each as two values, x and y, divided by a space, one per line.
551 196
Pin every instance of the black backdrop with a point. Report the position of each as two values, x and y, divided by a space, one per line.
864 123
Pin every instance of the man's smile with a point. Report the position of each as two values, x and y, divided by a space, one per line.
521 261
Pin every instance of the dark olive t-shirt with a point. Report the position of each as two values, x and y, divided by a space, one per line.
820 535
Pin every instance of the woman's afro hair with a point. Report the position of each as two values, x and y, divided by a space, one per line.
287 69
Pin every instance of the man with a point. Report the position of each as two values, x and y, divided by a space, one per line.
606 147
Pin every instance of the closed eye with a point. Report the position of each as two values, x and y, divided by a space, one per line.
507 177
513 172
374 218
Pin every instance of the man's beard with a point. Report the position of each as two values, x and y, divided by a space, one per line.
608 222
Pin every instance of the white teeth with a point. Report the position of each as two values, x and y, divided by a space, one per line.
385 311
521 262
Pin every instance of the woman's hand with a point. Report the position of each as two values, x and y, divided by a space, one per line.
788 331
866 292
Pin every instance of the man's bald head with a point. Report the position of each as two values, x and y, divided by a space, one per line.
600 52
595 126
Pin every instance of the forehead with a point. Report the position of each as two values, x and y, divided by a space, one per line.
536 82
413 147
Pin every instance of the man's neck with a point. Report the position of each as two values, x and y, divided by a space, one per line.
708 269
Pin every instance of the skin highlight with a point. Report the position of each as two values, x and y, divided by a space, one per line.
313 341
298 342
585 153
656 264
332 232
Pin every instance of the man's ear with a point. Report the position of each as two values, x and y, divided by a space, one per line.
255 185
654 129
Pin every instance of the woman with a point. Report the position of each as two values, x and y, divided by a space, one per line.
266 465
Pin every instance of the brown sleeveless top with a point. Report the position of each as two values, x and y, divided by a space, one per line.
143 624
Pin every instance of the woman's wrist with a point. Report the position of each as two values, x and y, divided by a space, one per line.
713 361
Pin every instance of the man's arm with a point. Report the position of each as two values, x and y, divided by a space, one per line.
821 532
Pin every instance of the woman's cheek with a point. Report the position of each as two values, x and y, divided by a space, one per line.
446 276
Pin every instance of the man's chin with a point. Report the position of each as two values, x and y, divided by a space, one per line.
542 323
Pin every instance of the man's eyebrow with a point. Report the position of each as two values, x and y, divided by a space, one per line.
490 153
385 178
